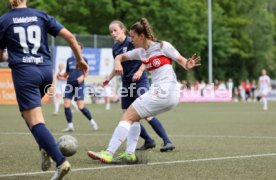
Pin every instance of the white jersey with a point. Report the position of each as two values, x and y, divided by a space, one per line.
164 92
161 74
60 84
264 84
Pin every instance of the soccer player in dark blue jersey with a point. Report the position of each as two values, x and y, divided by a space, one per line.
23 31
75 88
135 83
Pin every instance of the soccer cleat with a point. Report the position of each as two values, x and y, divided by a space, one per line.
61 170
125 158
147 145
68 129
167 147
102 156
55 113
46 160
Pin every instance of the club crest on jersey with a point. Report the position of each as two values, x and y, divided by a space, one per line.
156 62
124 49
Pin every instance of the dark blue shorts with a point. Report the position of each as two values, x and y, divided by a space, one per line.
74 90
132 90
30 84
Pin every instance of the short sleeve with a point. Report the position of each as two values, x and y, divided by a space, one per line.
170 51
134 54
53 26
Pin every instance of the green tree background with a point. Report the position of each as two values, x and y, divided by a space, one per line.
244 33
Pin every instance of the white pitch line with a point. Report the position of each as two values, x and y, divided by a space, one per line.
171 135
150 164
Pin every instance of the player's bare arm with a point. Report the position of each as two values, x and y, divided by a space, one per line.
137 75
190 63
118 67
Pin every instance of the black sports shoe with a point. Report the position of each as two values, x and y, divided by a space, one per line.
147 145
167 147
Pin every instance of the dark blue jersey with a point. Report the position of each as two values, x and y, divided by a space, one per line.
129 67
24 32
73 72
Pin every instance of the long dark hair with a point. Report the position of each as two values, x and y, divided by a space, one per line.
143 27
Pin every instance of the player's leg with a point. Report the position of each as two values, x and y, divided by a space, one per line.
79 97
74 104
30 85
85 111
57 100
133 91
119 136
68 114
107 102
43 137
166 98
160 130
156 125
264 101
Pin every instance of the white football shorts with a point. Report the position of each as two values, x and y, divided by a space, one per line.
160 98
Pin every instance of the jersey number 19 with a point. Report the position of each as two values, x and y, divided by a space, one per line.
32 34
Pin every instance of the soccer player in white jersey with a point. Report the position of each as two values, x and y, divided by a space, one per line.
264 87
162 96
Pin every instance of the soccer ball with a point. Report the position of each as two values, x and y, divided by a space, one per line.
68 145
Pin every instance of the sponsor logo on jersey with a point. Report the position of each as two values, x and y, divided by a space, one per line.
24 19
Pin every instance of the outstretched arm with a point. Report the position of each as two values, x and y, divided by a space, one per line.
190 63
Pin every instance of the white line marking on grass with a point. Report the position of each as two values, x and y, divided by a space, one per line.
150 164
171 135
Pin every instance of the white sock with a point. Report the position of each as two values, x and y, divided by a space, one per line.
118 137
74 104
57 103
70 125
132 138
92 122
265 103
107 107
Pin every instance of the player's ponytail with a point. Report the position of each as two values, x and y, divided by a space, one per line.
143 27
147 29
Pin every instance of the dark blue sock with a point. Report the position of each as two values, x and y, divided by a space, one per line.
68 114
159 129
86 112
144 134
47 142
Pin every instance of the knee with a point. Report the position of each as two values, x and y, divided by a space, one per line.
148 118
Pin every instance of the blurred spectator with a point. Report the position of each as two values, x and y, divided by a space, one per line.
247 90
242 91
254 90
202 86
221 86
